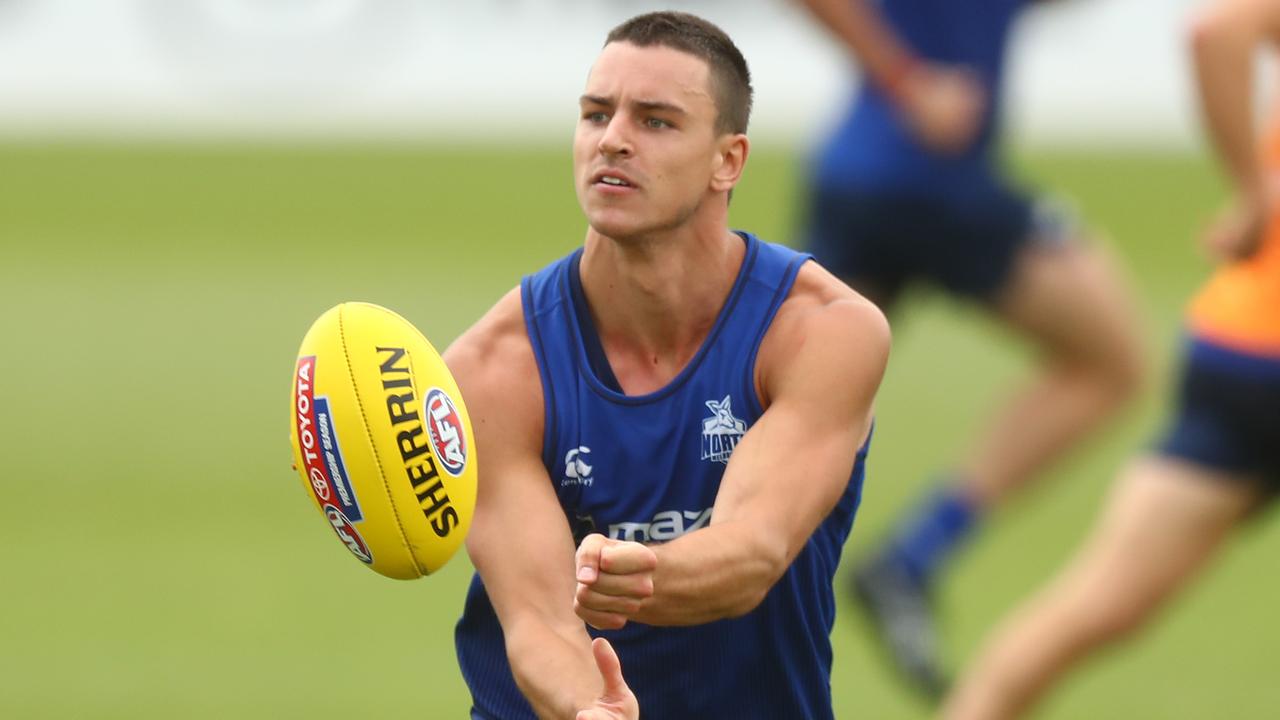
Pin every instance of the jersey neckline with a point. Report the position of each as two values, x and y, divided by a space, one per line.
590 351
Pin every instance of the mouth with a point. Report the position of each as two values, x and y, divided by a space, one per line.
612 179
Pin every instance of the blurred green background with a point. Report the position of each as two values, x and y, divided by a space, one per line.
162 560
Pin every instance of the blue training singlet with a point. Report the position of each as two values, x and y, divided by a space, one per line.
874 149
647 468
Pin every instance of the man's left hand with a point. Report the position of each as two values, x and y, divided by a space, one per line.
614 578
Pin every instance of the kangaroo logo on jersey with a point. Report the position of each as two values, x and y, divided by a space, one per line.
721 432
576 469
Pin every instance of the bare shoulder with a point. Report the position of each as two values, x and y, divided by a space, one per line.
495 368
821 302
826 323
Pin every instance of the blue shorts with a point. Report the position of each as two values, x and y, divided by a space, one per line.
1228 413
880 243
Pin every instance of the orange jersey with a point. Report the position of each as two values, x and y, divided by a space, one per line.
1239 308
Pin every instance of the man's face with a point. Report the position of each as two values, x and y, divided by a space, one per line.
645 146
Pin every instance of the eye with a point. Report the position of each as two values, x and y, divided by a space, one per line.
595 116
654 123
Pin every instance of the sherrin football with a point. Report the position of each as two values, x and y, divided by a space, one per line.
382 440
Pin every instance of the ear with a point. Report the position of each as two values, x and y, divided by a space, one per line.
731 158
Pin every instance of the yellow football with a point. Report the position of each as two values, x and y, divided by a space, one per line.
382 440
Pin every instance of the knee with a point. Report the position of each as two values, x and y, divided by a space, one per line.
1102 339
1108 620
1115 366
1124 370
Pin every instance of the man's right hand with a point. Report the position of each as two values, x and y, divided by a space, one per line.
617 702
1237 231
942 105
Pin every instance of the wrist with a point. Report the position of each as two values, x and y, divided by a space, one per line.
896 77
1253 191
1252 201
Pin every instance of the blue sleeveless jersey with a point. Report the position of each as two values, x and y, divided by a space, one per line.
647 468
873 149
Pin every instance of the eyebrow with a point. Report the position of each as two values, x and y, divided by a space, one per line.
650 105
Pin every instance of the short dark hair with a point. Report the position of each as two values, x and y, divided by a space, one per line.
730 78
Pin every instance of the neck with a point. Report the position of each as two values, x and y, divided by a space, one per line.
653 300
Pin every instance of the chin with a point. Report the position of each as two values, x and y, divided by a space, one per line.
616 231
615 225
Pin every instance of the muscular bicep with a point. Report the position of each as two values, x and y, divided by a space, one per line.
793 465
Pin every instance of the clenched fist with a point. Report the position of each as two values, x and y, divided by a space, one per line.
614 578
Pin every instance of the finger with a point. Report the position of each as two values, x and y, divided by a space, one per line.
599 620
587 558
600 713
588 598
636 587
627 557
615 687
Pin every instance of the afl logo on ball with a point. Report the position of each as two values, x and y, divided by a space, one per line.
446 432
347 534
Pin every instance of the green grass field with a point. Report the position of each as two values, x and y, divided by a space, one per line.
162 560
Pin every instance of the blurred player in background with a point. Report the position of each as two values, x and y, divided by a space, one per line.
909 189
682 404
1219 460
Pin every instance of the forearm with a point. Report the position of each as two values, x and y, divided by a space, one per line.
721 571
554 670
859 26
1223 49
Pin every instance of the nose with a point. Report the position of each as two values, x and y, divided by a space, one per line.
616 140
